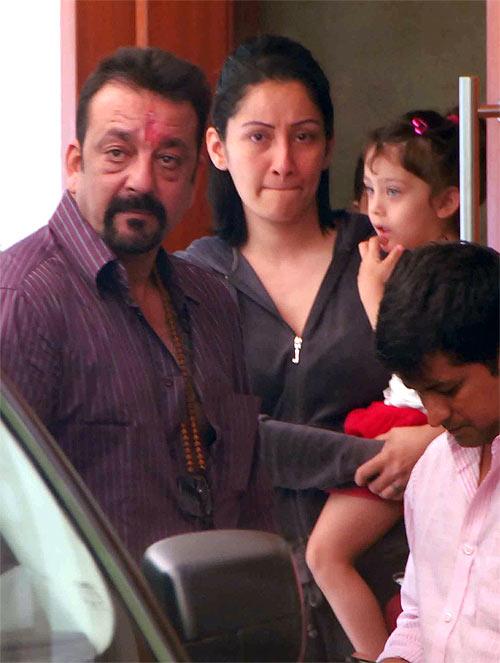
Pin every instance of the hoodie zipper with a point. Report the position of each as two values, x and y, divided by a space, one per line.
297 346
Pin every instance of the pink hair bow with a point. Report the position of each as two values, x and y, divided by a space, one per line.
419 126
453 117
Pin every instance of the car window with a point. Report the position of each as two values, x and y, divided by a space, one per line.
55 604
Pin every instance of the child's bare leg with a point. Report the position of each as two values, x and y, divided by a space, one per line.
347 526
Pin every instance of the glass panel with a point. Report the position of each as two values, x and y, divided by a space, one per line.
55 604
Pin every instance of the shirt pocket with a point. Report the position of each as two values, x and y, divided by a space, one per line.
234 417
98 451
488 606
488 582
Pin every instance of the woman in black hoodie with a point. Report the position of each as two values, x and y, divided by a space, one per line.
291 264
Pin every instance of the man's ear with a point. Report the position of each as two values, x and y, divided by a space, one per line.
215 149
74 165
447 202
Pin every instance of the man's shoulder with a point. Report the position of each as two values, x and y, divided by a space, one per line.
198 281
435 458
209 253
33 263
438 448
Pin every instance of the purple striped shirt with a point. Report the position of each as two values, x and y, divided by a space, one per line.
106 387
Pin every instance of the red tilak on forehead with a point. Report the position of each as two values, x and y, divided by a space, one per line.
152 130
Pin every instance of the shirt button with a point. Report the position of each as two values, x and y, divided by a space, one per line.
448 616
468 550
168 382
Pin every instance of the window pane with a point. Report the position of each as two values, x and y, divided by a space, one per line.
55 604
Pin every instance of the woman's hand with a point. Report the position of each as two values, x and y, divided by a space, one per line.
387 473
373 273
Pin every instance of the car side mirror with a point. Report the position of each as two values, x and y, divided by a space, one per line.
232 595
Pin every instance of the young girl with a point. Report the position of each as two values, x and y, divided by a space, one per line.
411 179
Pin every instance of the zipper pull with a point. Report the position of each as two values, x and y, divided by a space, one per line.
297 345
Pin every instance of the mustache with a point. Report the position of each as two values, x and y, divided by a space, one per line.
143 203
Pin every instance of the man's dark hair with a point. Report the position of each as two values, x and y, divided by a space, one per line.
148 69
260 59
441 298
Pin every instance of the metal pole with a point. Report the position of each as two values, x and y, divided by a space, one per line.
468 87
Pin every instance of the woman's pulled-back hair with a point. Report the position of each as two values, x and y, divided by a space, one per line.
428 145
263 58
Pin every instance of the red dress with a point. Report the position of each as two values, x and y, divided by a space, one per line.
376 419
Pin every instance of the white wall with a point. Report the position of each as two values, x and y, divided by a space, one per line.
30 116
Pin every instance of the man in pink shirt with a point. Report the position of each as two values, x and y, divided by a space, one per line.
438 330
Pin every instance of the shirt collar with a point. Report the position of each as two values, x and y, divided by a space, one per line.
89 253
495 448
78 239
180 275
464 457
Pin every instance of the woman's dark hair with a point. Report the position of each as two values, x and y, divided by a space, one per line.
358 184
428 144
149 69
267 57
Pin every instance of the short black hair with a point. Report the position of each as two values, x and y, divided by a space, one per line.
150 69
263 58
441 298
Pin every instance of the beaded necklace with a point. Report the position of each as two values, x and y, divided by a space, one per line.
194 456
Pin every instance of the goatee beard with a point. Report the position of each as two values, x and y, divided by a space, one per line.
142 240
